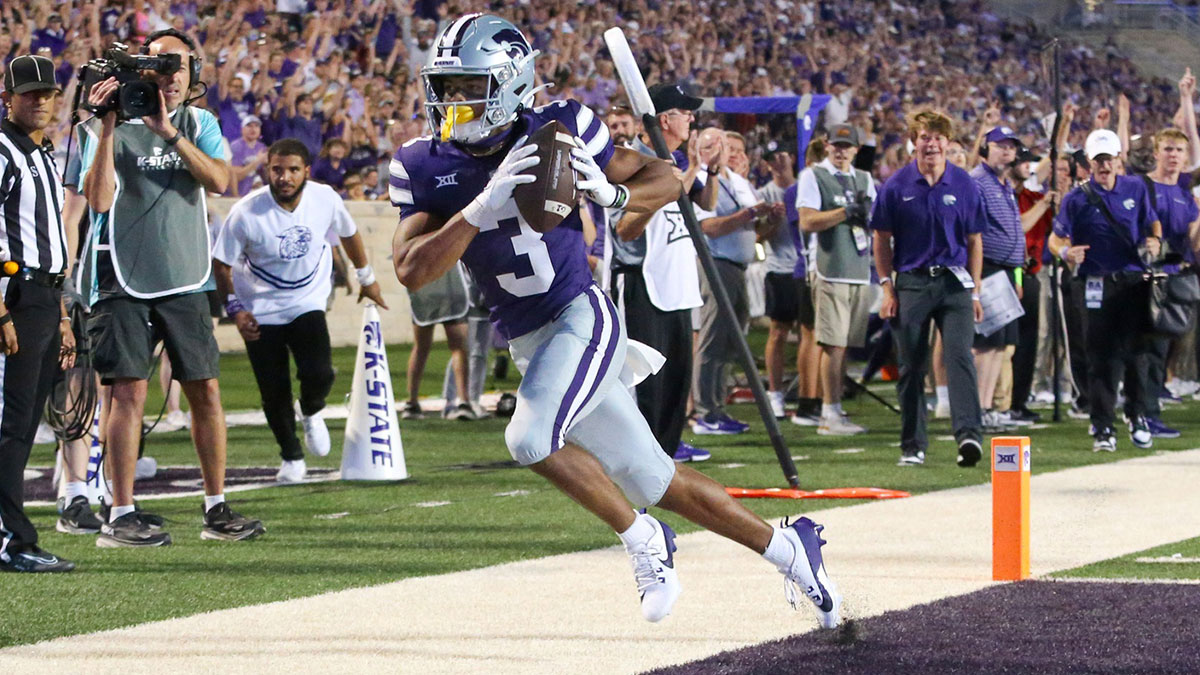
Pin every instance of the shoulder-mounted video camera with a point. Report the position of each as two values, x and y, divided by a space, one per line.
135 96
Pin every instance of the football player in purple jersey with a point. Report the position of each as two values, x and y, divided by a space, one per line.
575 422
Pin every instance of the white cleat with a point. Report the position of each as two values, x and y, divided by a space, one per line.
292 471
316 434
654 569
806 572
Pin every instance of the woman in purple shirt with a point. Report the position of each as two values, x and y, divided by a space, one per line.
330 167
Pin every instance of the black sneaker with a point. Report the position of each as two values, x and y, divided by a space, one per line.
224 524
129 531
412 411
36 561
77 518
1020 415
151 520
969 452
1104 440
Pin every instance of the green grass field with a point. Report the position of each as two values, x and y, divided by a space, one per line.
330 536
1128 566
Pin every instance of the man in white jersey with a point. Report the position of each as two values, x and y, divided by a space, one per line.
272 261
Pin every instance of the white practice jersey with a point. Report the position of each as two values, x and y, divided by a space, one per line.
282 260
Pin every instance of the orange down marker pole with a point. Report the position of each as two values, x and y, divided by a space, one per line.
1010 508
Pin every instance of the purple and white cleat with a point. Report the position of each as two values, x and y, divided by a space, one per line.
654 569
806 573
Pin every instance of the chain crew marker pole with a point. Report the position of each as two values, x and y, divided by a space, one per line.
1010 508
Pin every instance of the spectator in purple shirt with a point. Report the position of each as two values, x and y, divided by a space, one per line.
293 57
1003 253
53 36
248 154
331 167
928 222
303 123
231 102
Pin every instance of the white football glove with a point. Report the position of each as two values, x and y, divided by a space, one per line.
592 181
500 188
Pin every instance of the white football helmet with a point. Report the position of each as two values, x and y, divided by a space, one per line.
480 44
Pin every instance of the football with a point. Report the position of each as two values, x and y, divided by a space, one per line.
545 202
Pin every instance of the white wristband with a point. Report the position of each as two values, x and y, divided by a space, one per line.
366 275
975 297
885 280
472 212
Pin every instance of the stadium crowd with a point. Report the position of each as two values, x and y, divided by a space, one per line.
946 96
343 75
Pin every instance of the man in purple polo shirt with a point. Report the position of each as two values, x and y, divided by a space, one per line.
249 153
928 223
1179 215
1115 292
1003 253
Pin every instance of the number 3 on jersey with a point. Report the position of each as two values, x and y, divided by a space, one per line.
527 244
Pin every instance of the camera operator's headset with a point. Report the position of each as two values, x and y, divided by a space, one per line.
194 60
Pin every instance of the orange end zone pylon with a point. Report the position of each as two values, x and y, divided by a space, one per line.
827 493
1010 508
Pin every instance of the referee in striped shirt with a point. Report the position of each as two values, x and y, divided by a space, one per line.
35 335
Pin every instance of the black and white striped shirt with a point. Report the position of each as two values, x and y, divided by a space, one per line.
31 199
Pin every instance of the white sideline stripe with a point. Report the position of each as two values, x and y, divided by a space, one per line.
1118 580
1167 559
246 487
578 612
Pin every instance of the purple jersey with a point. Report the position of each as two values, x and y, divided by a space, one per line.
526 278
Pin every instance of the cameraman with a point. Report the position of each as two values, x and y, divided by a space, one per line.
149 259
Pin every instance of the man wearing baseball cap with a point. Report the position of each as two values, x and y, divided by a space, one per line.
1086 238
654 277
1003 253
35 332
833 200
248 153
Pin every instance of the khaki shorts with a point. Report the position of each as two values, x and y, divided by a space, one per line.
842 312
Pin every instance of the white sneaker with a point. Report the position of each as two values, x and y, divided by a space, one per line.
806 572
179 419
1181 388
654 569
839 425
776 400
802 420
145 468
316 434
942 410
45 434
292 471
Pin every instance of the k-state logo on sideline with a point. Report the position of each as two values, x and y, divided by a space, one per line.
294 242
